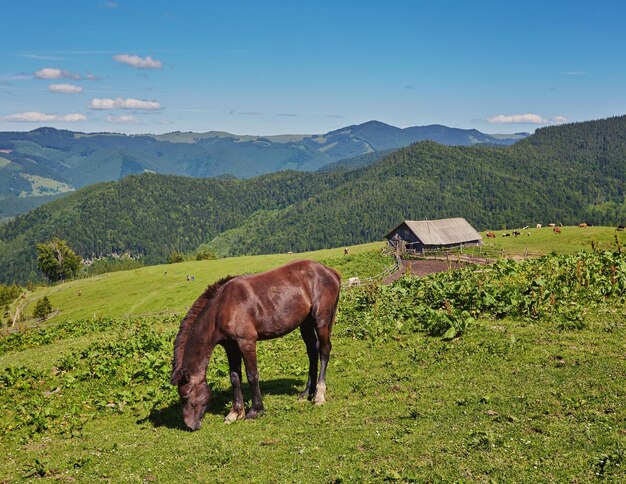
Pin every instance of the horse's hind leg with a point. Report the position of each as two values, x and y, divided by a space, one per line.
324 347
248 350
234 363
310 340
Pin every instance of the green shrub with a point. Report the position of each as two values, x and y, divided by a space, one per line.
203 253
175 257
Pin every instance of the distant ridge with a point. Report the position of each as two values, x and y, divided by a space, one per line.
48 161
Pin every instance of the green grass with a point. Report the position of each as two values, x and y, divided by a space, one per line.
507 402
545 241
152 290
514 399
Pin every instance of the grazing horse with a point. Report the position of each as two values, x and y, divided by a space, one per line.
236 312
490 235
556 230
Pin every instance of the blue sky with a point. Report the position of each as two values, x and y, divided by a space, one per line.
309 67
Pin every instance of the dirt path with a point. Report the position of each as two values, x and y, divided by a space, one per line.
423 267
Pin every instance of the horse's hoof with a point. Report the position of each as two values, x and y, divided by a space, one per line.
252 414
320 394
233 417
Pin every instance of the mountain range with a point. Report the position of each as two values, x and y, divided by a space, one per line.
562 174
42 164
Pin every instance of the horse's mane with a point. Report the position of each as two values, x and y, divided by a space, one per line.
188 321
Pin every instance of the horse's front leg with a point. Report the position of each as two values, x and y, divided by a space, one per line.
234 362
248 350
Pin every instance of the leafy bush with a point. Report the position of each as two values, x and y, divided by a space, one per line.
175 257
555 288
129 373
204 253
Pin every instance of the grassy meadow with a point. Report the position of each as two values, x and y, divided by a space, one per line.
164 288
544 241
508 402
510 373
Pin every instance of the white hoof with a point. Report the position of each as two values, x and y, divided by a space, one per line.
320 394
234 416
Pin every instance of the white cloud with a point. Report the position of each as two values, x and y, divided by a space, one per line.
53 73
70 118
120 103
528 118
65 88
138 62
49 73
122 119
36 117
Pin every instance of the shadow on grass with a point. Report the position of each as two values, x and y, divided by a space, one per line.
171 415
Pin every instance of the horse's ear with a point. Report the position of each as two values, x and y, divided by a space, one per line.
180 376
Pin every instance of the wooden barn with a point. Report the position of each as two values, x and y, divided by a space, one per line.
422 235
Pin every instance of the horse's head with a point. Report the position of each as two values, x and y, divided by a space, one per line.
194 395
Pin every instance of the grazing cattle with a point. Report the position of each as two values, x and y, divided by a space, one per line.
620 227
506 235
582 225
552 225
539 226
490 235
556 230
516 233
524 227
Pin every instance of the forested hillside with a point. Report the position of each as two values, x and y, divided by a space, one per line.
563 174
47 161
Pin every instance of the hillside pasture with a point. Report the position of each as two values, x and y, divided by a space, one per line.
165 289
528 388
544 241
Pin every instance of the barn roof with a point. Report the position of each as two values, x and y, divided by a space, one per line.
445 231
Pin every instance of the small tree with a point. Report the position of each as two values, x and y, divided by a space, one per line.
57 260
43 308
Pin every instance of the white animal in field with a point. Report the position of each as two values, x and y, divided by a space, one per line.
539 226
353 281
